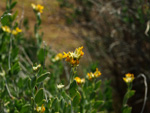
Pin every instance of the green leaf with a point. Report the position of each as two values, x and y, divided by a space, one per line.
94 111
73 85
98 103
14 16
33 81
14 53
39 96
15 68
92 95
42 77
127 110
76 99
25 108
72 89
128 95
65 95
97 85
29 83
13 5
42 53
72 93
62 103
55 105
20 82
5 19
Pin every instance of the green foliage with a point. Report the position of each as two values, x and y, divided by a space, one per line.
25 87
42 77
39 96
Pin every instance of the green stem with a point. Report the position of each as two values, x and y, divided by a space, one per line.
125 100
9 55
7 88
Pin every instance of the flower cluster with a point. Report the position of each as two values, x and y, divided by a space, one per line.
128 78
73 57
14 32
38 8
58 57
40 109
96 74
79 80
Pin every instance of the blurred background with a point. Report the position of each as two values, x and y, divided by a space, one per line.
114 33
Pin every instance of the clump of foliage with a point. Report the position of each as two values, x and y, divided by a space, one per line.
26 85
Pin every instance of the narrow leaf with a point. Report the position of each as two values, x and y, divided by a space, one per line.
39 96
42 77
76 99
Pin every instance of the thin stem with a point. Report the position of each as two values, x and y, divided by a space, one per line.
26 56
9 56
71 75
44 53
146 90
66 70
71 107
125 100
8 88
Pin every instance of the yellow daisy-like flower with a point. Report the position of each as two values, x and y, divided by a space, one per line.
38 8
59 56
128 78
73 57
6 29
40 109
16 31
96 74
79 80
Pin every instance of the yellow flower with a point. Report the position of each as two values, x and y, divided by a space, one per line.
16 31
38 8
33 6
90 76
128 77
6 29
35 68
40 109
78 53
73 57
65 55
79 80
59 56
96 74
